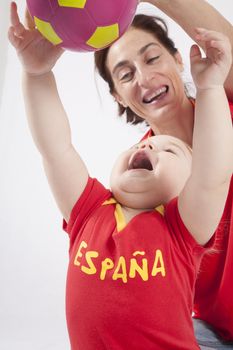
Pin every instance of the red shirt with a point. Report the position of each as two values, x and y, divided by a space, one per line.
129 286
213 301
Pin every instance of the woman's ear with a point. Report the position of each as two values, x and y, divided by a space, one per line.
179 61
118 99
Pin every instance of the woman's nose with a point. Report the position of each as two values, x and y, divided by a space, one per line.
144 77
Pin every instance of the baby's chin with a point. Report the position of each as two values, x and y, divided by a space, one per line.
136 200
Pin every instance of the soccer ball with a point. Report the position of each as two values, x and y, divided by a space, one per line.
82 25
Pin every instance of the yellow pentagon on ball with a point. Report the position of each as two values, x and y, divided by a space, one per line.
72 3
47 31
104 36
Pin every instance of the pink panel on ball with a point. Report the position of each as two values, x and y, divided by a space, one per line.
73 24
69 45
105 12
80 47
127 15
40 8
84 48
54 4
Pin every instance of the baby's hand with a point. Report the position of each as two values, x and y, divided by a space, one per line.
212 70
37 54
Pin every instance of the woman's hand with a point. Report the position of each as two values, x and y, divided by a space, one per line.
37 54
212 70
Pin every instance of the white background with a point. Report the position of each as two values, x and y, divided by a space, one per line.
34 249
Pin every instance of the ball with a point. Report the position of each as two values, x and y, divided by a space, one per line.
82 25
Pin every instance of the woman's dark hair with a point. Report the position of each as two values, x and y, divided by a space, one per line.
151 24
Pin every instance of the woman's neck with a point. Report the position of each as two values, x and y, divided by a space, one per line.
180 122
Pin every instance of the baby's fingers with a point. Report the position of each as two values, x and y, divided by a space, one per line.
221 46
206 34
30 24
195 53
15 21
212 36
216 44
14 40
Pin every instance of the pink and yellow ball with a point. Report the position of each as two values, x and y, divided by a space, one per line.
82 25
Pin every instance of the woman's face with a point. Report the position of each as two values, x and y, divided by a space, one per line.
146 76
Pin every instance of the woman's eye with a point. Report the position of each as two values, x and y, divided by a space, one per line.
152 59
126 76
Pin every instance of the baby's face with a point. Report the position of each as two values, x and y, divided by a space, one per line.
152 172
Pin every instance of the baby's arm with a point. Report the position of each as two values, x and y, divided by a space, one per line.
202 201
66 172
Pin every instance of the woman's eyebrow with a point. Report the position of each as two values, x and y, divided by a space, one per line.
144 48
140 52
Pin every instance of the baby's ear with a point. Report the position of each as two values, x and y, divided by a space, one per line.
119 99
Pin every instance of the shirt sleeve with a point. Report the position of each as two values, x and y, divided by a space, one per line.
182 238
92 197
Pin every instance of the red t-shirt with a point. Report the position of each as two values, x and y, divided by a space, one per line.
213 301
129 286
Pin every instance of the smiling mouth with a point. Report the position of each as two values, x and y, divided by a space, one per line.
140 161
156 95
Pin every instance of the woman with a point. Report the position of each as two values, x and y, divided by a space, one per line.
144 78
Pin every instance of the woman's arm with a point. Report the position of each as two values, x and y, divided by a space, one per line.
202 200
190 14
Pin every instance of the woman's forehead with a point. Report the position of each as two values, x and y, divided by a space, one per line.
131 42
136 35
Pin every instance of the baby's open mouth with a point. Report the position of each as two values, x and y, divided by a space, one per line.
140 161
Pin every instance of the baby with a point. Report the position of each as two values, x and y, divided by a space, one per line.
133 261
